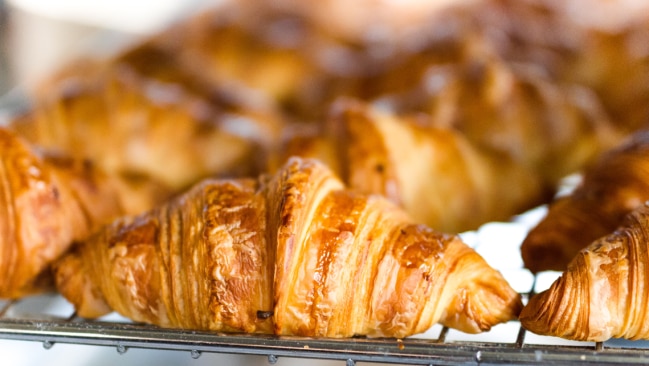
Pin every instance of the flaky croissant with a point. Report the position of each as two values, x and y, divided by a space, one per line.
294 254
603 292
612 187
434 173
46 203
127 123
549 128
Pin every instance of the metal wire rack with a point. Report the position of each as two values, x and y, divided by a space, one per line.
30 320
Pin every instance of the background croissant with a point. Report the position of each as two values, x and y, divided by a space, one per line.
603 292
612 187
50 201
604 47
487 141
551 128
323 260
127 123
434 173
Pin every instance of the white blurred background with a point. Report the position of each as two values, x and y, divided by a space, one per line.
37 36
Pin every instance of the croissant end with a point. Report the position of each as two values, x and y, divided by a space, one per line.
603 293
472 308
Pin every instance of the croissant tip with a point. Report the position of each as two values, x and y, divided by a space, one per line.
530 313
542 314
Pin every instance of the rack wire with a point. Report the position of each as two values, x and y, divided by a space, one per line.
20 320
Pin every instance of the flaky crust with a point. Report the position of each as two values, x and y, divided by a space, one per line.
603 293
433 172
291 254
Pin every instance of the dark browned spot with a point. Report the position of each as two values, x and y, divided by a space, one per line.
261 314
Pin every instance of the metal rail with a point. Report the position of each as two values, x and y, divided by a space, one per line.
412 351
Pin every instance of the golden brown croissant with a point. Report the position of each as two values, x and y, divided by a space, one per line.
292 53
603 293
297 56
603 46
434 173
294 254
127 123
549 128
48 202
231 48
612 187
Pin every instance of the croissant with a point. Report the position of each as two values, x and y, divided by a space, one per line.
47 203
602 46
602 294
291 254
294 55
550 128
434 173
612 187
616 67
127 123
304 57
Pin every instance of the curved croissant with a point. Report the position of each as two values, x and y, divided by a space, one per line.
549 128
603 293
46 203
602 46
434 173
294 254
129 123
612 187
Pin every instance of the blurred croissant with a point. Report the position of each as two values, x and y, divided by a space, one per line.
292 254
47 203
550 128
434 173
255 51
127 123
603 46
603 292
612 187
